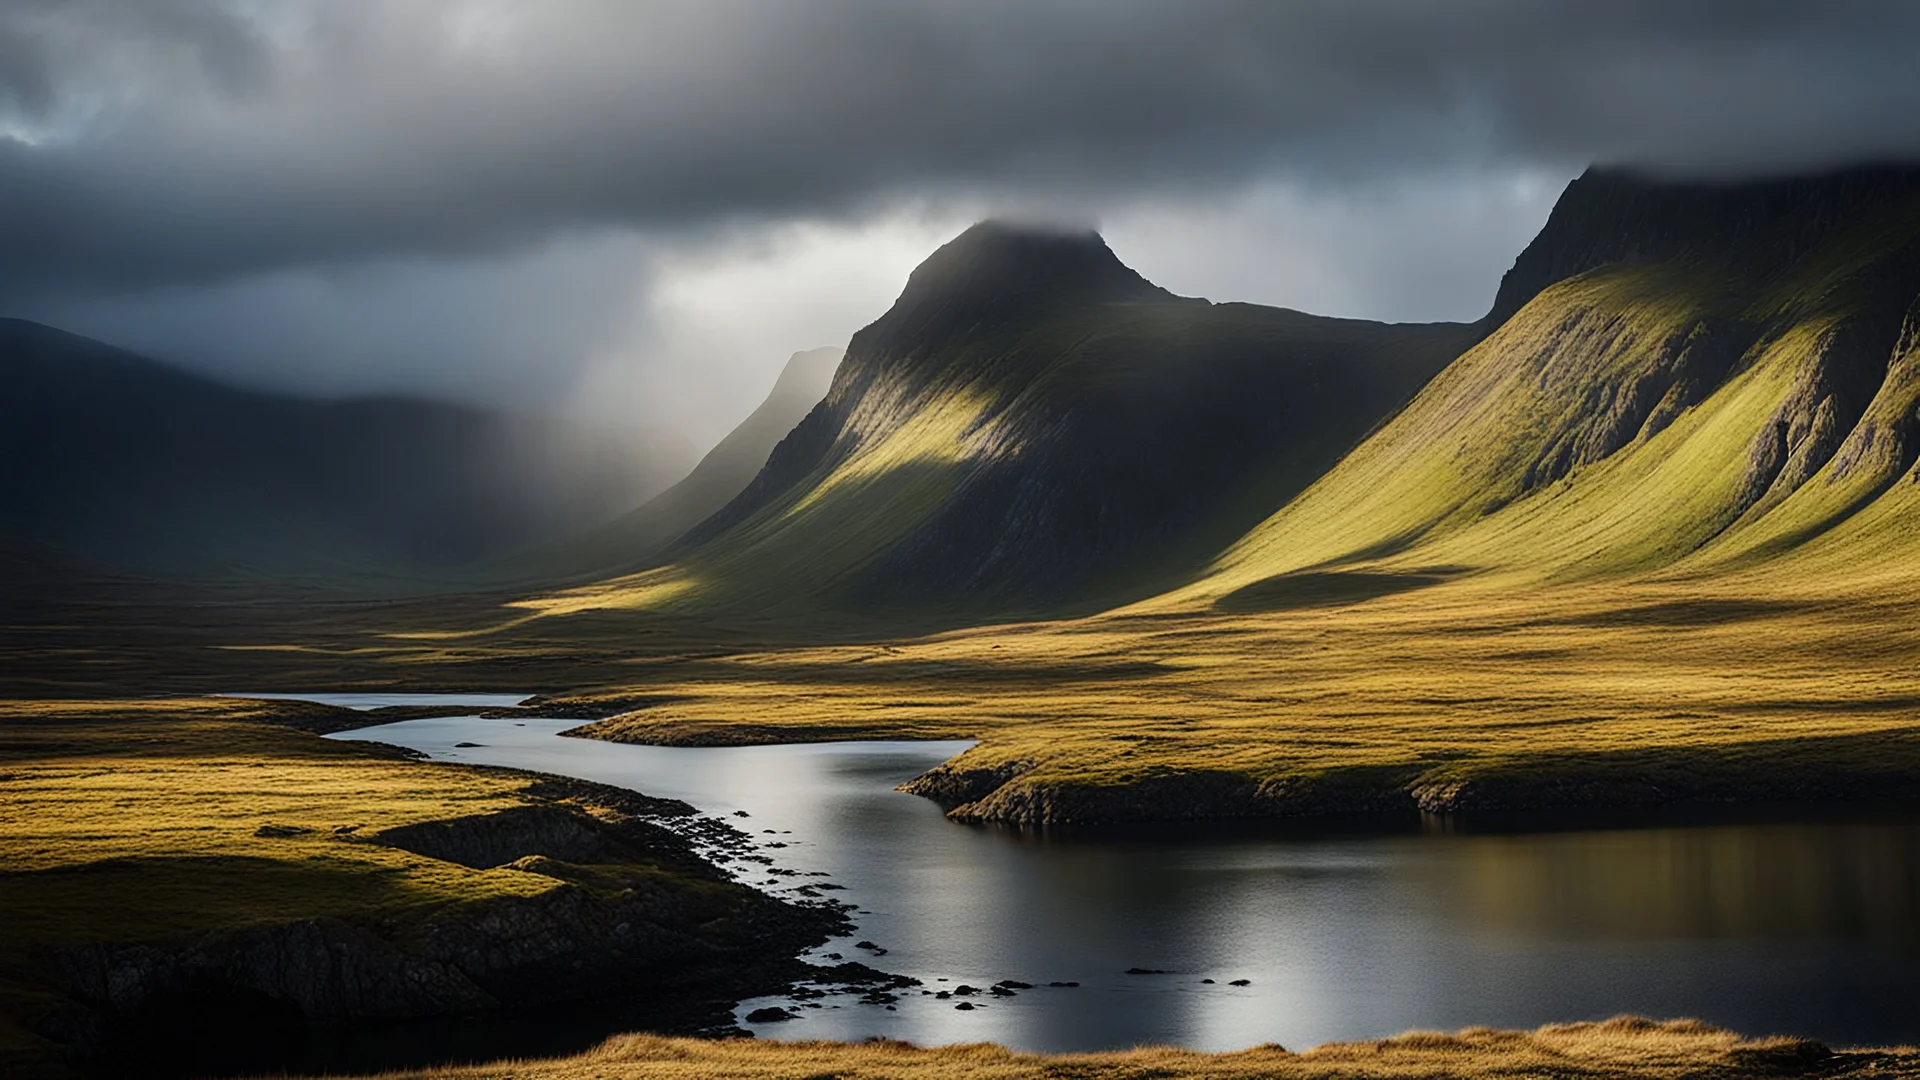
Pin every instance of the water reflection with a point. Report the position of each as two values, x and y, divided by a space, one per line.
1812 880
1802 924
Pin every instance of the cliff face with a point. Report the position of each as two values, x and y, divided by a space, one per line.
1033 427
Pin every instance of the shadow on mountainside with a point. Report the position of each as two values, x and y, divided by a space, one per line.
1323 588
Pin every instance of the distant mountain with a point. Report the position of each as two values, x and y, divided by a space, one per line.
1687 377
121 461
639 538
1034 427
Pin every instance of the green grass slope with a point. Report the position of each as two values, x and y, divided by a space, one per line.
1724 374
1033 427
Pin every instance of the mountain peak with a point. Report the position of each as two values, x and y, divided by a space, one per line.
1616 215
807 374
999 269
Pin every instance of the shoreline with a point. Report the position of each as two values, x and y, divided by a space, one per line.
1852 769
448 894
472 840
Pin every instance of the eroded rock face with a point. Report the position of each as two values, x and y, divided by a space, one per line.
322 968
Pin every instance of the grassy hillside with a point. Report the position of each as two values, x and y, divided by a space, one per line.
1724 395
1033 427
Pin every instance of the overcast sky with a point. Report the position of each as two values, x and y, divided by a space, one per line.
639 209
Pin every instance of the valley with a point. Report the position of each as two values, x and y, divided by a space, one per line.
1635 544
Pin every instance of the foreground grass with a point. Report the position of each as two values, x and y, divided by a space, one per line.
1619 1048
144 821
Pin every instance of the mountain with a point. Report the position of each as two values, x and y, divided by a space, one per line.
1650 540
119 461
1033 427
638 538
1686 378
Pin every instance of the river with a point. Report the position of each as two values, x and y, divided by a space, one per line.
1807 924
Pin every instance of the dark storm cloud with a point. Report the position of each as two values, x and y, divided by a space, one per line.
147 142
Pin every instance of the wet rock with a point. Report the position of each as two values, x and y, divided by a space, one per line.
769 1015
468 745
1146 971
1241 982
1206 980
1014 984
965 1006
1064 984
1000 991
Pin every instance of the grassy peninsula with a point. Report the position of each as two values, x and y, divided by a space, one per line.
155 854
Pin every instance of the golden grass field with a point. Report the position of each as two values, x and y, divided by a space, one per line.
1424 690
1624 1047
161 819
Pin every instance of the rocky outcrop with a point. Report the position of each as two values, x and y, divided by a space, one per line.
483 841
952 785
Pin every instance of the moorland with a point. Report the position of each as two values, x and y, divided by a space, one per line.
1641 536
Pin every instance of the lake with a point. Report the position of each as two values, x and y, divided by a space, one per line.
1808 924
